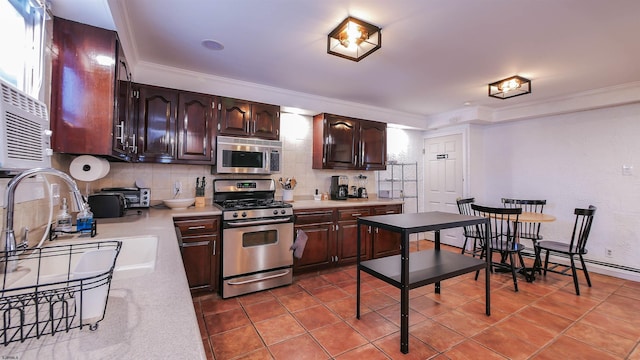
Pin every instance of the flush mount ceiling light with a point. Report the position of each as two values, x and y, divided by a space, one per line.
510 87
354 39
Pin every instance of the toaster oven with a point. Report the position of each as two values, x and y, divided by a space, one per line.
134 197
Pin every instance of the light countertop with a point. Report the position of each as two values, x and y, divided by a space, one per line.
150 316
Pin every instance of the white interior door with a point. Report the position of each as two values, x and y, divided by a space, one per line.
444 180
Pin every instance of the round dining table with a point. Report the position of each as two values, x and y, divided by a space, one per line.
531 217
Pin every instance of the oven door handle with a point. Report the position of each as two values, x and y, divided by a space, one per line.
259 222
242 282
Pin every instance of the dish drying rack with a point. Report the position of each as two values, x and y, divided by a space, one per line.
55 289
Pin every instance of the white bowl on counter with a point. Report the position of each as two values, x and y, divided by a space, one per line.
179 203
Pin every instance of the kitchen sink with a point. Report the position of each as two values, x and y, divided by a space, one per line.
137 256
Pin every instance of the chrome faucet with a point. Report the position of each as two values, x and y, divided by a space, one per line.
10 245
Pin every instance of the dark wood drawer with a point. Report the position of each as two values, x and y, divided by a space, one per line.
195 226
314 216
352 214
387 209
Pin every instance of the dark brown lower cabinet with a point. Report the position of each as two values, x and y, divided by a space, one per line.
200 248
385 242
318 225
332 236
347 230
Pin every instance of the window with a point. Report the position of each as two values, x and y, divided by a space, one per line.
22 44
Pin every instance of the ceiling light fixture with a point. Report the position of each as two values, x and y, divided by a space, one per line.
354 39
212 44
510 87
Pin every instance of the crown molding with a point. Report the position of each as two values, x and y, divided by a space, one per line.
618 95
167 76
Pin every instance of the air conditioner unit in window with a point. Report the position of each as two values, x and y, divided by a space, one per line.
25 137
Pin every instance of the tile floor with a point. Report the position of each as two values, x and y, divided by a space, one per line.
315 319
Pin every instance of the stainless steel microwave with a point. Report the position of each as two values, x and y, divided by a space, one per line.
248 156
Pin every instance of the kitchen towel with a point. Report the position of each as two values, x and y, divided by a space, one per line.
298 246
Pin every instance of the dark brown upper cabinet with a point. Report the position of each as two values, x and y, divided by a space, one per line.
175 126
157 110
90 92
341 142
197 119
249 119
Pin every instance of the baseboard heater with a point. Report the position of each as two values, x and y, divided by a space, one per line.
595 262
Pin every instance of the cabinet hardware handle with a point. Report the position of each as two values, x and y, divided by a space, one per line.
369 229
196 227
391 212
214 248
133 147
200 243
337 227
356 214
120 136
377 230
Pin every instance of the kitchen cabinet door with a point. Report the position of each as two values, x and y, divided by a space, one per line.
88 75
157 112
319 251
385 242
347 236
265 121
373 145
196 128
248 119
124 127
335 142
235 117
200 248
196 256
341 142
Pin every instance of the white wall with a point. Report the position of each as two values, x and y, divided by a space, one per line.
571 160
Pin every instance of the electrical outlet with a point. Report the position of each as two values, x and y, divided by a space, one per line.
55 194
608 253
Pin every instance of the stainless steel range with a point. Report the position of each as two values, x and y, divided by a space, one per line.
257 233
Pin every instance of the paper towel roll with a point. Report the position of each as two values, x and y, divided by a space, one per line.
89 168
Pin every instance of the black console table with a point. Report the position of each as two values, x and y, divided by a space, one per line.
426 267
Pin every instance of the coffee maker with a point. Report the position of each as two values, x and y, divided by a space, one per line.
339 187
362 183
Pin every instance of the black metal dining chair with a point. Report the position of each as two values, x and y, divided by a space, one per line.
528 230
464 207
576 247
503 227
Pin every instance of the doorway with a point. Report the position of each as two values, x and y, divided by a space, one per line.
443 174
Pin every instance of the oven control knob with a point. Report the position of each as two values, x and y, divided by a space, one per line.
282 211
275 212
244 214
235 215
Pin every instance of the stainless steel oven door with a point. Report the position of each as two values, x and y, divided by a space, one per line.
255 248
